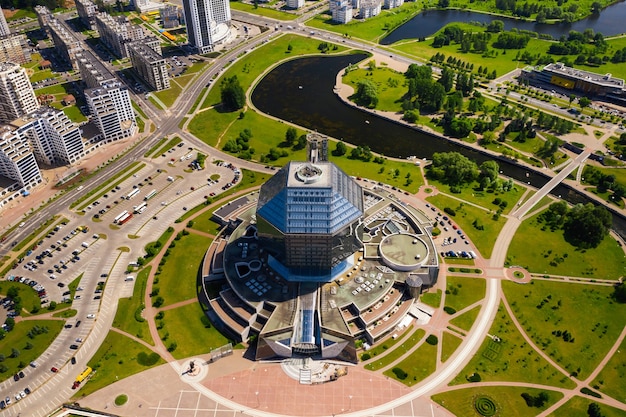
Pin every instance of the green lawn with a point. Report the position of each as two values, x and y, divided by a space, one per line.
169 96
263 11
485 199
467 319
390 86
395 354
585 311
462 292
508 400
577 407
420 364
372 29
450 344
186 327
209 125
30 299
388 343
511 359
547 252
129 309
177 281
612 379
409 177
115 359
432 299
18 339
466 215
252 65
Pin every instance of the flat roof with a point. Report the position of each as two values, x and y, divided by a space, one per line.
579 74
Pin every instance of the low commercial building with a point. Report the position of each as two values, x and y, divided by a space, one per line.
149 65
172 16
585 82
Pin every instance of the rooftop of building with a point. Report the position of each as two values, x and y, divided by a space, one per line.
8 66
144 50
606 79
93 64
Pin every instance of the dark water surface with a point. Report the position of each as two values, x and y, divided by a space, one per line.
610 22
301 91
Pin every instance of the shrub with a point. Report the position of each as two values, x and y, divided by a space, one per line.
366 356
172 347
449 310
485 406
475 377
450 211
146 359
587 391
432 340
121 399
399 373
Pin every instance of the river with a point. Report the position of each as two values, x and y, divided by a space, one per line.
301 91
609 22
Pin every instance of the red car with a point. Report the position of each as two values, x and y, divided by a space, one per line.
75 384
53 369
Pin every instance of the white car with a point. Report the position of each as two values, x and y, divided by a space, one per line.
79 340
91 316
22 394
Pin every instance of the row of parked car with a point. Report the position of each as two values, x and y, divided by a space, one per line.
18 396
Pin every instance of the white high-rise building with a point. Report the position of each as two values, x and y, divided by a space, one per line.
17 96
17 161
208 23
55 139
111 110
4 26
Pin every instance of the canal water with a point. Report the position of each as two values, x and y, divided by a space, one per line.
609 22
301 91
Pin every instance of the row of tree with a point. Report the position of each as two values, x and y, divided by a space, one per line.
583 226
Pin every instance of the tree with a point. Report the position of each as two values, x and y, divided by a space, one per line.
452 168
291 135
233 96
583 102
366 94
490 169
596 7
594 410
13 292
446 79
340 149
14 353
586 225
495 26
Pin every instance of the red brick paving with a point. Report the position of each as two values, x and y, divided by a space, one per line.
282 395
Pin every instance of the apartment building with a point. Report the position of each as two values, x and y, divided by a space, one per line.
17 97
208 23
87 12
11 49
66 45
17 162
149 64
4 26
111 110
116 32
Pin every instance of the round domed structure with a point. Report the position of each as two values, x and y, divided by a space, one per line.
403 252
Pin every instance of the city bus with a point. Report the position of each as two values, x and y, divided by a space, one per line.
124 219
132 193
150 195
80 378
122 214
140 208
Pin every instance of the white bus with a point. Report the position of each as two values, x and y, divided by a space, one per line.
122 214
150 195
132 193
141 207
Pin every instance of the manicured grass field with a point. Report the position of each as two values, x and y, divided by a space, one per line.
28 295
372 29
467 319
263 11
390 86
18 339
184 326
450 344
177 281
385 172
485 199
462 292
395 354
387 344
129 309
466 215
432 299
210 124
420 364
577 407
115 359
509 401
547 252
612 379
587 312
511 359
